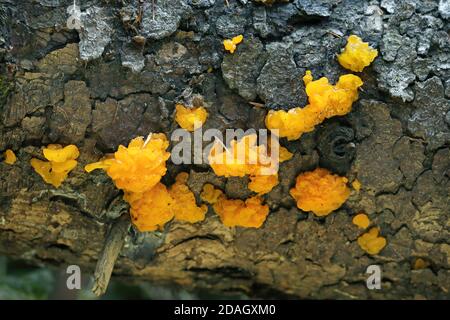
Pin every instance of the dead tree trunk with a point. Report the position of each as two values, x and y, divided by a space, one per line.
119 74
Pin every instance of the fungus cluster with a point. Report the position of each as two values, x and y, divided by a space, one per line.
371 242
190 119
184 205
152 209
325 101
210 194
361 220
320 191
245 157
138 167
250 213
357 54
10 157
61 160
231 44
137 170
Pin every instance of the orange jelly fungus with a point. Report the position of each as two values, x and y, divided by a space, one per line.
138 167
62 160
361 220
371 242
357 54
151 209
356 185
184 206
263 184
10 157
245 157
234 212
190 119
325 101
210 194
242 158
320 191
420 264
231 44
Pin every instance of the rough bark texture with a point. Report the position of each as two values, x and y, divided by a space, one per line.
121 74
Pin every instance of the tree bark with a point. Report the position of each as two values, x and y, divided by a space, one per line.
121 75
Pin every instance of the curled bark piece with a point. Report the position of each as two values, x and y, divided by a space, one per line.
113 244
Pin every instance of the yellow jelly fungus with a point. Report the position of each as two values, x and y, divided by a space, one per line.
308 77
242 158
151 209
138 167
371 242
420 264
190 119
231 44
57 153
325 101
234 212
263 184
320 191
284 154
357 54
184 206
361 220
210 194
356 185
10 157
62 160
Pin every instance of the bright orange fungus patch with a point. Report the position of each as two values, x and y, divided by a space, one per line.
10 157
61 162
190 119
210 194
231 44
371 242
357 54
245 157
320 191
235 212
325 101
138 167
361 220
184 206
151 209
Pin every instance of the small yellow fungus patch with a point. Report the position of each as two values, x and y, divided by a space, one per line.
357 54
325 101
10 157
56 153
151 209
320 191
190 119
231 44
234 212
308 77
210 194
184 206
284 154
371 242
242 158
61 162
138 167
361 220
263 184
356 185
420 264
